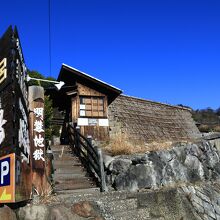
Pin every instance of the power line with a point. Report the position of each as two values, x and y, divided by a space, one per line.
49 37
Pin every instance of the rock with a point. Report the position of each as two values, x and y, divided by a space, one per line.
184 163
212 158
195 168
139 176
209 210
193 150
107 160
166 156
203 196
173 172
119 165
33 212
156 161
167 175
83 209
140 159
7 214
163 204
59 212
217 168
179 170
217 209
86 209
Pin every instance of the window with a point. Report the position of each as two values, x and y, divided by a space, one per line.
91 106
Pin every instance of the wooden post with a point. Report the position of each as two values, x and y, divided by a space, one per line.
77 145
102 172
89 158
37 139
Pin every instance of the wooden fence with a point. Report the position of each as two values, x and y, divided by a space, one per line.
90 156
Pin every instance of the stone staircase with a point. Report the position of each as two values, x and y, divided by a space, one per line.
81 199
69 174
168 204
78 198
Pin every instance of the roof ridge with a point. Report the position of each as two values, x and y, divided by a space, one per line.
86 74
161 103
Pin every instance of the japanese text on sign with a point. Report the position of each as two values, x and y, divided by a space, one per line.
3 70
23 134
2 122
38 138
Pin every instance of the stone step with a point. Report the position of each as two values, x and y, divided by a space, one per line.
118 206
65 156
70 170
136 214
65 159
108 197
66 166
78 192
61 150
69 173
73 186
72 181
60 147
64 176
58 163
58 155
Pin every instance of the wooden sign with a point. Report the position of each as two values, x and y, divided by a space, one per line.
37 129
14 126
37 137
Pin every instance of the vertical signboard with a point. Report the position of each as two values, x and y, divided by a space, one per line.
37 129
37 136
14 135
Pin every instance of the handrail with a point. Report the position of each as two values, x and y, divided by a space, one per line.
91 156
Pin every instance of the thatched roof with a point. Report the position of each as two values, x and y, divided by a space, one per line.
151 121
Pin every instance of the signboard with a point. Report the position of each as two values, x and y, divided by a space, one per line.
13 97
14 126
7 178
92 121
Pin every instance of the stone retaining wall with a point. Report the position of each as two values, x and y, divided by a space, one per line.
184 163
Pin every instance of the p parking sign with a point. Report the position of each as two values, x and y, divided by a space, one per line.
7 178
5 171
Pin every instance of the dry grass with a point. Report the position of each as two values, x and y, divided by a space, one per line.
216 128
45 197
120 145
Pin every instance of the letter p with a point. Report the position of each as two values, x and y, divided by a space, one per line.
4 170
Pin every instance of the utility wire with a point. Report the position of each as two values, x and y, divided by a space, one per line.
49 37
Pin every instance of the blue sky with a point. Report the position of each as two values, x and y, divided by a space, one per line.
166 51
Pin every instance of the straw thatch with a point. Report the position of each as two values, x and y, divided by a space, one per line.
148 121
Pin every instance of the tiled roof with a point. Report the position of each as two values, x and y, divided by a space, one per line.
152 121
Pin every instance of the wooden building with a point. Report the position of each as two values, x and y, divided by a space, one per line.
101 111
85 101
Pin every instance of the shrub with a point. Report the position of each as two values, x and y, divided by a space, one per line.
205 128
216 128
